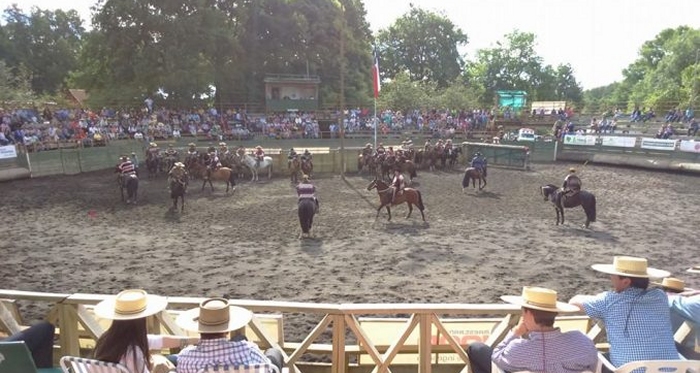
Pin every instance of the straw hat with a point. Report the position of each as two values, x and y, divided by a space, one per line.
222 144
694 269
672 283
153 144
191 144
214 315
630 266
572 169
538 298
130 304
179 165
305 177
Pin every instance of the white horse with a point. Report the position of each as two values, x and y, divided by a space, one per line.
254 167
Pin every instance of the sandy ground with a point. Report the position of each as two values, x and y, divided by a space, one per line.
73 234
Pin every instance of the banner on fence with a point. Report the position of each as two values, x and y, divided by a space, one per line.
619 141
690 146
7 152
658 144
586 140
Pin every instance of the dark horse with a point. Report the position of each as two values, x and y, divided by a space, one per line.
307 210
584 199
177 190
410 196
473 174
131 184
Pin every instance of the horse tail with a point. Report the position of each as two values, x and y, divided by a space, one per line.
465 180
232 177
589 206
420 201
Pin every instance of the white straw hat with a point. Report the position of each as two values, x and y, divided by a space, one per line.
130 304
538 298
630 266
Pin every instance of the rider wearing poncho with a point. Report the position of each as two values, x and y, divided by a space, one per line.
214 162
307 155
398 184
125 168
192 150
307 190
367 150
259 154
291 156
177 173
152 152
572 183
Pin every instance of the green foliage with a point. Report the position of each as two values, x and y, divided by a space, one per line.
424 45
15 86
45 42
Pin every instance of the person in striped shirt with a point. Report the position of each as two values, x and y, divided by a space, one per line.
307 190
125 168
535 344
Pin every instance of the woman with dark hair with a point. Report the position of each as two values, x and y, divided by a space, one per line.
126 341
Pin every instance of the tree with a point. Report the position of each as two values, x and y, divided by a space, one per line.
424 45
45 42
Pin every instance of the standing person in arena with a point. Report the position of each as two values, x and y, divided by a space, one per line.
637 319
535 344
307 190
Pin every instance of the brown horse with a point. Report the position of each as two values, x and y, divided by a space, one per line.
294 170
410 196
223 174
409 168
307 166
473 174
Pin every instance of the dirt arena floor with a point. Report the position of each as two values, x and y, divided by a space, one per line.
72 234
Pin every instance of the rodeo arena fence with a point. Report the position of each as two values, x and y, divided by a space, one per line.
631 151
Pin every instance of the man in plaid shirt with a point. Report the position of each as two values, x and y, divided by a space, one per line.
214 319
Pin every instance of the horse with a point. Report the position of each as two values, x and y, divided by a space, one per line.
255 167
222 173
452 155
409 196
131 184
473 174
307 166
294 168
409 168
177 190
307 210
583 198
153 165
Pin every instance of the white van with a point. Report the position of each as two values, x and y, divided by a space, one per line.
526 134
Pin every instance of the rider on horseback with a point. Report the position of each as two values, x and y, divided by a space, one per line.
380 149
214 162
479 162
307 190
427 146
259 155
572 183
367 150
125 169
390 152
152 152
177 173
398 184
448 145
290 157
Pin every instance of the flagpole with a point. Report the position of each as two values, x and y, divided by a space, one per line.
376 123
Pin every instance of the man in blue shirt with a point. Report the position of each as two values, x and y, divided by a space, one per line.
685 306
637 319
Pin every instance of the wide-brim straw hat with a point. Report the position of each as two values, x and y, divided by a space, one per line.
130 304
214 315
538 298
694 269
672 283
629 266
222 144
179 165
191 144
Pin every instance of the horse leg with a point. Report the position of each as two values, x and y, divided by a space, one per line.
410 209
182 207
378 211
388 210
204 183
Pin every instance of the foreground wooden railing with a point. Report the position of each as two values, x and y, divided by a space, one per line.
76 322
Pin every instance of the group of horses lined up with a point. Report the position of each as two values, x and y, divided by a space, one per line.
382 164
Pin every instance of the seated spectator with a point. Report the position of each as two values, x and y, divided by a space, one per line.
685 306
213 320
126 341
637 320
535 344
39 341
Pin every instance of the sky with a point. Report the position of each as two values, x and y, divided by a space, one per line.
598 38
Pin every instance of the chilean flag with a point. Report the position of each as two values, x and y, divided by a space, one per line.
375 75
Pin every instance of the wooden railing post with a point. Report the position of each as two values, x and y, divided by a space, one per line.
424 346
68 322
338 358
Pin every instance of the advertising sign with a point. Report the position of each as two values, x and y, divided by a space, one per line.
658 144
585 140
619 141
7 152
690 146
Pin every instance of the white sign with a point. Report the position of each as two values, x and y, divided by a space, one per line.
8 151
658 144
619 141
586 140
690 146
